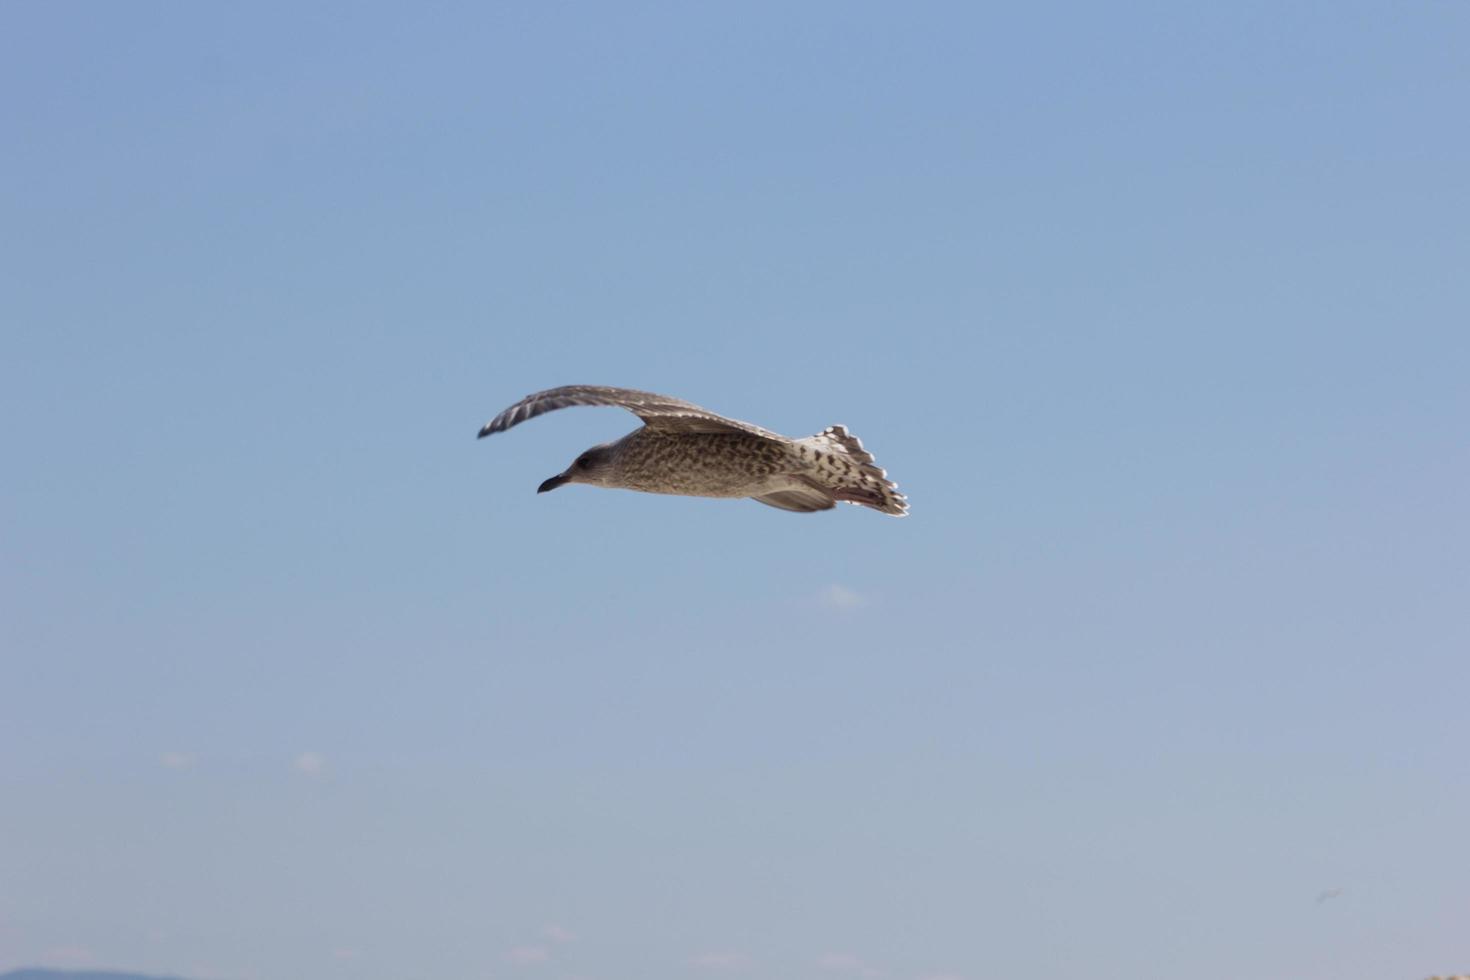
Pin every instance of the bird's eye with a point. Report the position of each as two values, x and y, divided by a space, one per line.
583 462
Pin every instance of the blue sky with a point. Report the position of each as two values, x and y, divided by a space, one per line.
1158 313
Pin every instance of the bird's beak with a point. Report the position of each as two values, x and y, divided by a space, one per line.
553 483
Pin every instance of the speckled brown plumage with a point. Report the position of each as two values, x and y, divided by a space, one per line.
690 451
700 464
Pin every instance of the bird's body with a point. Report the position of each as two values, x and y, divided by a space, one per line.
700 464
689 451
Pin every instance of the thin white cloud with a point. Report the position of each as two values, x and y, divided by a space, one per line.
847 964
717 960
69 956
558 934
837 596
178 760
310 763
528 955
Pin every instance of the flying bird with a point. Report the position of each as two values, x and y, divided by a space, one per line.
690 451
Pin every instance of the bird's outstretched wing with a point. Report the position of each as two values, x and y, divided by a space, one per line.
656 411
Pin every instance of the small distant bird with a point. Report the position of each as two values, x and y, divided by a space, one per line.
690 451
1329 894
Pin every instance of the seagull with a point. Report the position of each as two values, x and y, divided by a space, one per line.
690 451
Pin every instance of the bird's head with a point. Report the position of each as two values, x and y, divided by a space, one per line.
593 466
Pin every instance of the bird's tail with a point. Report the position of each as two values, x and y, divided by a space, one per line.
848 472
